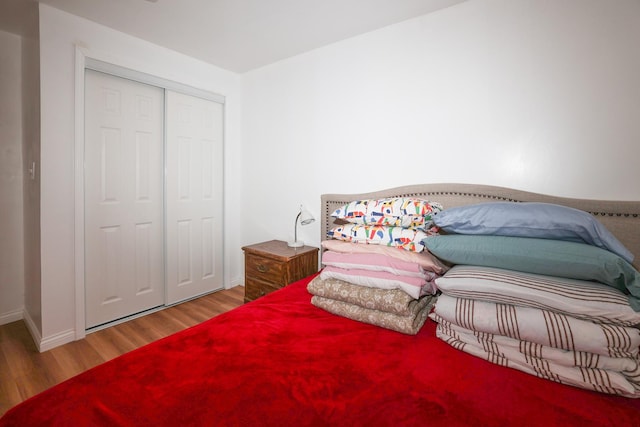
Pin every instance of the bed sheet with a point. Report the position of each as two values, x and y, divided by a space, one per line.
281 361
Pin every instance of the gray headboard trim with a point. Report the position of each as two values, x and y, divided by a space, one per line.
622 218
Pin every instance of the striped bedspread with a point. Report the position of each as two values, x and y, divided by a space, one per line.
582 334
619 376
544 327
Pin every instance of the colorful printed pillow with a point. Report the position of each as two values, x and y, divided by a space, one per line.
539 220
394 212
405 238
540 256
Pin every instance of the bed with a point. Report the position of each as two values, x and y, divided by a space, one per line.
281 360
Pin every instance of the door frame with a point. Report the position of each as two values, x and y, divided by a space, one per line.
106 63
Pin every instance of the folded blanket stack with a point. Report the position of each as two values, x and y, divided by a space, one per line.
388 308
580 333
384 286
379 271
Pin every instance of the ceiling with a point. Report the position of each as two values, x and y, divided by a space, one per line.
237 35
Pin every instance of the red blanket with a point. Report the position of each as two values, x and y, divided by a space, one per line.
281 361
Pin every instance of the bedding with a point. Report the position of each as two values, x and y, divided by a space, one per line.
414 286
503 316
514 349
403 212
538 220
406 238
541 256
587 300
423 259
545 327
373 262
410 324
391 301
388 308
281 360
521 356
380 278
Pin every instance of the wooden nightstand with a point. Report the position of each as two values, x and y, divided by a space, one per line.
271 265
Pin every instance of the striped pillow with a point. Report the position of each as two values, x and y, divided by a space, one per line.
540 256
579 298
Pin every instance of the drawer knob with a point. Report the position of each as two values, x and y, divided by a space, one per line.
261 268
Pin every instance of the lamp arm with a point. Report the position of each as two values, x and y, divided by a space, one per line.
295 227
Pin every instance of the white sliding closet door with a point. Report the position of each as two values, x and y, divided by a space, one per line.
194 199
124 229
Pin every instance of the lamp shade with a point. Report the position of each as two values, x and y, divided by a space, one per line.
304 217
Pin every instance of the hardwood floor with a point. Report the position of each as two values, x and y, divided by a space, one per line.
25 372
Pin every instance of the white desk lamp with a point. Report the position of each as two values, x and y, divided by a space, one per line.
305 219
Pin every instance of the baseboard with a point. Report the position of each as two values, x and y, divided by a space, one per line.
56 340
47 343
33 330
235 282
12 316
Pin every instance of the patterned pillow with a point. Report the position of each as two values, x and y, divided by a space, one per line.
581 299
395 212
405 238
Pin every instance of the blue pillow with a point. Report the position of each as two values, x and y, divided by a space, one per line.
539 220
540 256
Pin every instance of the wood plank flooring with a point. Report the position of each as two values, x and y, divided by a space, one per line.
25 372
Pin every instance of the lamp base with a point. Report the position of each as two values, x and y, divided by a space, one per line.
296 244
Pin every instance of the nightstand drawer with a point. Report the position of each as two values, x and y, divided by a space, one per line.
255 289
266 269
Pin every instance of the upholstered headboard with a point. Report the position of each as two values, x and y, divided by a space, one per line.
622 218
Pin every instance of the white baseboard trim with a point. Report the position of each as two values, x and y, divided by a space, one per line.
12 316
33 330
56 340
47 343
235 282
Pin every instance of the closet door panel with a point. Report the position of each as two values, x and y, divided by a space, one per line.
194 188
124 221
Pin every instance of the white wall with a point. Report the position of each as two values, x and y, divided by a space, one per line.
11 212
31 156
60 33
541 96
